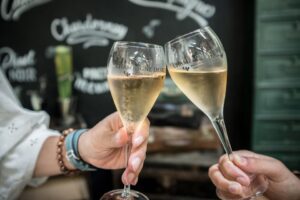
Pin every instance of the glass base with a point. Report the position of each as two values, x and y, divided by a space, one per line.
118 195
259 184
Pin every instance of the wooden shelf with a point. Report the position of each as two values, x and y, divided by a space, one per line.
174 139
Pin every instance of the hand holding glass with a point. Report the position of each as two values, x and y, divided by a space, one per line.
136 73
197 64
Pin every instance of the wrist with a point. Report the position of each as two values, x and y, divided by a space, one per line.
72 150
84 146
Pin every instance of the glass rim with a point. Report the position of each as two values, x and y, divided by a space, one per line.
137 44
187 35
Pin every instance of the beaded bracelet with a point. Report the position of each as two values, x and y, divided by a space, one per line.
61 163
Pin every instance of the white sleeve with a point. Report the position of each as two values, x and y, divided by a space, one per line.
22 134
18 165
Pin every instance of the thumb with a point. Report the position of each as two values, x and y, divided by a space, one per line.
117 140
254 165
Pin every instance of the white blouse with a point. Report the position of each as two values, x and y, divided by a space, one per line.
22 134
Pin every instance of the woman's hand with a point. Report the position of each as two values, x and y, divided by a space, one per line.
231 176
104 147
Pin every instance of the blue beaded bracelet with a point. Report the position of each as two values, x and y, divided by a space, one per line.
71 143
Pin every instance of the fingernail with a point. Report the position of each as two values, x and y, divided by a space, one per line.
234 188
118 137
241 160
135 181
136 163
242 180
138 141
130 178
228 164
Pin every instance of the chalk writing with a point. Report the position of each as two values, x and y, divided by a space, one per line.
94 73
92 80
21 67
195 9
90 32
149 30
13 9
9 58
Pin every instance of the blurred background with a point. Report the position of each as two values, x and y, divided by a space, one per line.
54 54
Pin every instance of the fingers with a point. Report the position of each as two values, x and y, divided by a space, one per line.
115 121
141 134
137 155
109 132
135 164
136 160
265 166
233 177
120 138
224 195
115 139
222 183
131 173
232 172
246 153
128 178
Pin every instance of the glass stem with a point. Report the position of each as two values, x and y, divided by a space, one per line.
220 127
126 190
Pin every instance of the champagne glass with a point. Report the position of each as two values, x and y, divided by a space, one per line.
197 64
136 74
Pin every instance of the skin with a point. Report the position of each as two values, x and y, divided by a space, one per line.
231 177
102 146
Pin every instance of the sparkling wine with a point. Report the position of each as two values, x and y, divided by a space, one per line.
205 88
134 96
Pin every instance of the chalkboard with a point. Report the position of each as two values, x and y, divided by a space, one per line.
31 28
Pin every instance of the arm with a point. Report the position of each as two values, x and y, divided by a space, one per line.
28 147
101 146
46 164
